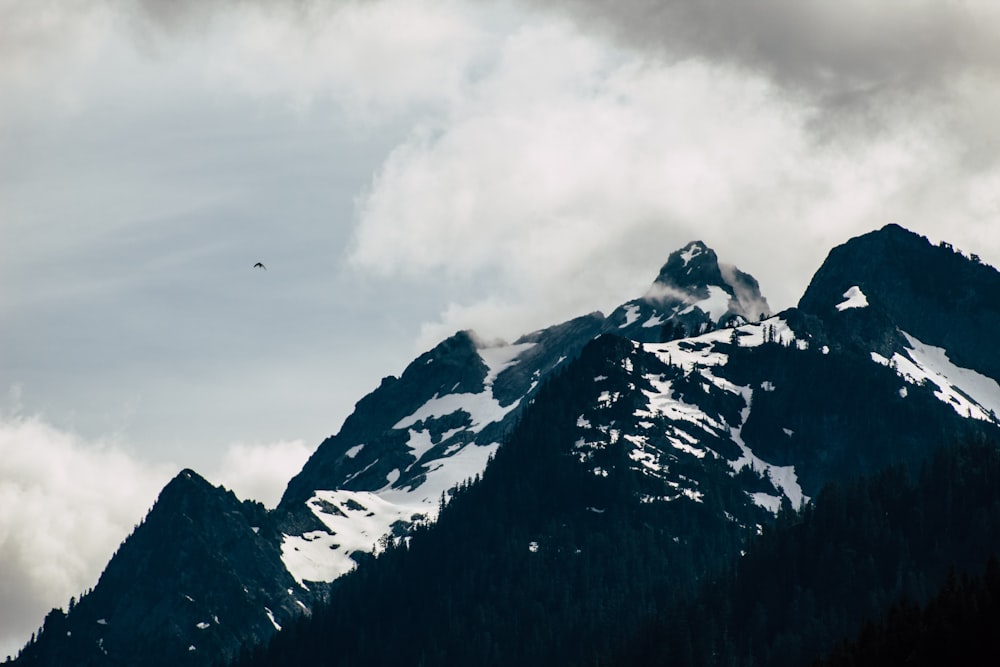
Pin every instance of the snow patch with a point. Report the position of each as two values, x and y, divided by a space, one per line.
716 305
771 503
783 477
653 321
853 298
631 315
969 393
692 251
500 357
482 408
353 451
355 521
685 447
270 616
419 443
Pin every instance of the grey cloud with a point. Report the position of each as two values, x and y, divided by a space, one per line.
840 51
856 63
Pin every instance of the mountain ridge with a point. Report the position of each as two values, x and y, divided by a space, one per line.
751 413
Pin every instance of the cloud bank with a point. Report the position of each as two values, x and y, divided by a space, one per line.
65 506
568 172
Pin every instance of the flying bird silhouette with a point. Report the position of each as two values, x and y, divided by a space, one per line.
258 265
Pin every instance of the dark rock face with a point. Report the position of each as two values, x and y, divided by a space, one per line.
552 347
453 366
931 292
693 267
369 446
197 580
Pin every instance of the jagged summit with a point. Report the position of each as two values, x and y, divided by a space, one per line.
695 265
692 293
933 292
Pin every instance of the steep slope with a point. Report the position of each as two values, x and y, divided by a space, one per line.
533 564
415 437
409 442
701 439
934 293
198 579
628 479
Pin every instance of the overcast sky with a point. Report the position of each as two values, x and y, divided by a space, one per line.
407 168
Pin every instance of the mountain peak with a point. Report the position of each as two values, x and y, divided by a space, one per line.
932 292
695 265
692 293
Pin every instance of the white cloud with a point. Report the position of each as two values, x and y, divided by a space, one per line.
566 176
67 503
65 506
261 471
369 59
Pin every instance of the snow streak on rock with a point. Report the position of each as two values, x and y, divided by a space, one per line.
969 393
706 356
853 298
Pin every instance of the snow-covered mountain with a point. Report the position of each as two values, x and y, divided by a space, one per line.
417 436
693 293
410 441
694 393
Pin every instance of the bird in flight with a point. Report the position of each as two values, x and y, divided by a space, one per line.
258 265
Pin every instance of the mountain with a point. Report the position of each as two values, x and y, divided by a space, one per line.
642 469
693 293
656 441
200 577
934 293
